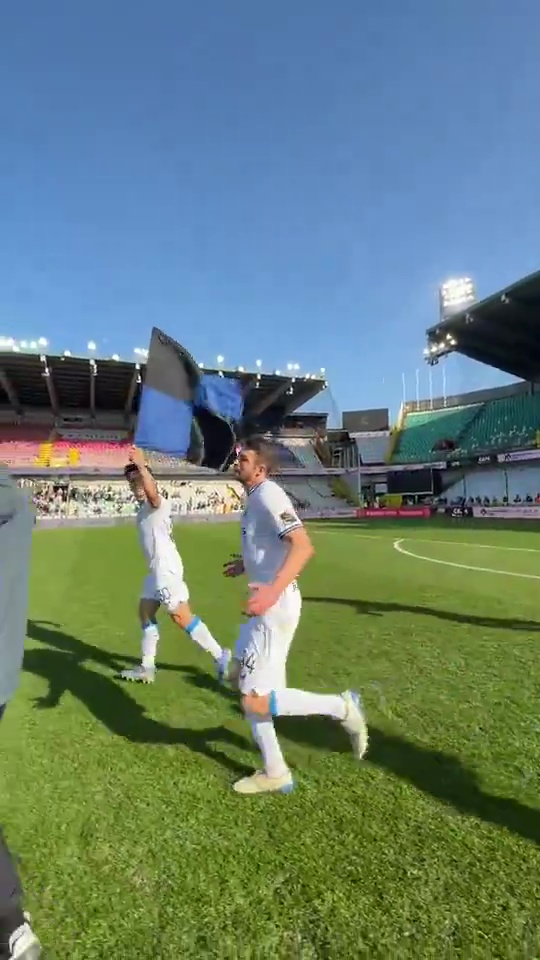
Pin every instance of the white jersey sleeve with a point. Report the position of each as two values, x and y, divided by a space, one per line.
280 512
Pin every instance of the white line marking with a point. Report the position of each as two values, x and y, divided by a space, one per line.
455 543
461 566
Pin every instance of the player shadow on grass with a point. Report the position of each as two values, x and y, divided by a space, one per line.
376 608
440 775
65 670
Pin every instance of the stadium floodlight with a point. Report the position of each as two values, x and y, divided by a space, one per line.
277 373
91 345
23 344
220 359
43 342
6 342
16 348
67 353
240 369
323 370
33 344
115 356
201 366
455 295
258 364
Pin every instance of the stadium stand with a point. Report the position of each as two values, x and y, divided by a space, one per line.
313 494
303 452
22 445
503 424
373 447
496 485
495 425
422 431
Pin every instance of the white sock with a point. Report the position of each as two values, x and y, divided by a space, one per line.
199 632
266 739
300 703
150 639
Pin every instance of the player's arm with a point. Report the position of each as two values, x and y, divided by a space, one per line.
289 528
300 553
150 487
149 484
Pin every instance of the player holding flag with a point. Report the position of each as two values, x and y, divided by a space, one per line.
165 584
275 550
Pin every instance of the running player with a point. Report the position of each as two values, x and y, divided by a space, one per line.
165 585
275 549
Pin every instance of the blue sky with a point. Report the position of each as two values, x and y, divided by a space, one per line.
287 181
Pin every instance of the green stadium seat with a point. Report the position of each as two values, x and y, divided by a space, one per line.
503 424
422 430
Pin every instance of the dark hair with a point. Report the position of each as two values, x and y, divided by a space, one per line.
265 452
131 469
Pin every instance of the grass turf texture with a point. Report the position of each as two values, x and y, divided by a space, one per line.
117 798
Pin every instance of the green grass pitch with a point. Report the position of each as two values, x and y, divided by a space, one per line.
118 798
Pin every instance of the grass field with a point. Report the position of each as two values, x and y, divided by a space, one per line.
117 798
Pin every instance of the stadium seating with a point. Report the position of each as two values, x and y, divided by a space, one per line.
303 451
373 447
497 425
313 494
114 498
94 454
423 430
20 445
501 424
286 456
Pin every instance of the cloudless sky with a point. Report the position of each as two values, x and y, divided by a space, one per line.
287 181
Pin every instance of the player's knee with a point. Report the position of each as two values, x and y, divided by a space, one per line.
253 704
183 617
147 612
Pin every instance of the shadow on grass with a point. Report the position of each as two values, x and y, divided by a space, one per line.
65 670
375 608
436 774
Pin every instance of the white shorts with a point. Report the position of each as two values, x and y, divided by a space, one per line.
171 591
265 642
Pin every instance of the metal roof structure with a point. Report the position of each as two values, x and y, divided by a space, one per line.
63 383
502 331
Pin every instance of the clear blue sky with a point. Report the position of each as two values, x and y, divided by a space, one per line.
287 181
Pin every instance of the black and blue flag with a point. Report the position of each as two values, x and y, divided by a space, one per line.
183 412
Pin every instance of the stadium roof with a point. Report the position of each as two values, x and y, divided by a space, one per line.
32 381
502 331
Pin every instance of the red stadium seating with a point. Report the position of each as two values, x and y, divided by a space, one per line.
20 445
91 453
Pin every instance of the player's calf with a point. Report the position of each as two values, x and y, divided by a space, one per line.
195 628
145 672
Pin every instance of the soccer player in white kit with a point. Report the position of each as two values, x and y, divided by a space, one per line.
275 549
165 585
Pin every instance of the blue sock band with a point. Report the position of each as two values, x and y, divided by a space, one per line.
191 626
150 625
273 704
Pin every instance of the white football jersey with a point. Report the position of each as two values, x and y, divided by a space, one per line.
155 533
17 521
268 517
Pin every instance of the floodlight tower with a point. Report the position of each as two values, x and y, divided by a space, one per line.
455 295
